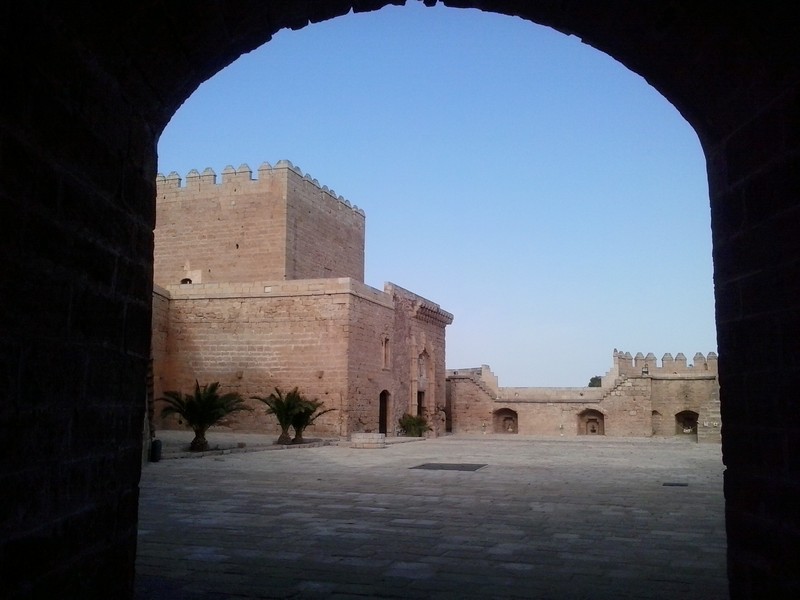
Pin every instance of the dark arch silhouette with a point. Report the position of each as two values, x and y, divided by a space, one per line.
88 91
384 411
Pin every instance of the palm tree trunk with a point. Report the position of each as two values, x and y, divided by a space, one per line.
298 436
284 437
199 443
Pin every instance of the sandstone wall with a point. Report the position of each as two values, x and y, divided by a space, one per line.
324 234
325 336
469 404
628 405
254 337
160 334
282 225
369 325
626 410
700 395
419 356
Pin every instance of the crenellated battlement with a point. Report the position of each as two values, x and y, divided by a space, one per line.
232 181
239 226
649 365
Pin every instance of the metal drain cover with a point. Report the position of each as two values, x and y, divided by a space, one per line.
449 466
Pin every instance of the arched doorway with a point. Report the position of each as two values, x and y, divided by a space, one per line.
383 412
591 422
505 420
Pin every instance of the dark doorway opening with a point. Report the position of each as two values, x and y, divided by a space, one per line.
506 421
383 412
686 423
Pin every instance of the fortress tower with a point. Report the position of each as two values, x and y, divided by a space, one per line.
281 226
259 283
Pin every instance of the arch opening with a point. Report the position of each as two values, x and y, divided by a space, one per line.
744 48
384 411
505 420
529 174
686 423
591 422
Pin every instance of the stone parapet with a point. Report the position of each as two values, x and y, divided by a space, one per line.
233 179
421 308
626 364
277 289
555 394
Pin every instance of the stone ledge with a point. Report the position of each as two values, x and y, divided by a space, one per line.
368 440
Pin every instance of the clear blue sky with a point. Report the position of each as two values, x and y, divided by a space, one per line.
549 198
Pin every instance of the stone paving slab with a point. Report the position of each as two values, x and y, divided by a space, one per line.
546 518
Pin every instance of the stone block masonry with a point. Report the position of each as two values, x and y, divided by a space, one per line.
281 226
327 337
259 284
637 398
369 441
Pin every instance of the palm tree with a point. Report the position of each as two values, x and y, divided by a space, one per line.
201 410
306 416
284 407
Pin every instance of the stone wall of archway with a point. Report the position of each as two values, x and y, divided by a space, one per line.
88 92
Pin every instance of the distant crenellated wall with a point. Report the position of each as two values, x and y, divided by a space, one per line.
281 226
648 365
637 398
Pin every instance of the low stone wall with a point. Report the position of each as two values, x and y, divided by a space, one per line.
368 440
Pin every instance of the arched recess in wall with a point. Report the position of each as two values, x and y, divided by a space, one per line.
686 423
591 422
505 420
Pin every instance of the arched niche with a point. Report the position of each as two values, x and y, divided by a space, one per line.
591 422
505 420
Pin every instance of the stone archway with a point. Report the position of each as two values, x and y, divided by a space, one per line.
505 420
89 93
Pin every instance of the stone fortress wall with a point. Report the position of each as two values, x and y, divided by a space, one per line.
259 283
637 397
273 295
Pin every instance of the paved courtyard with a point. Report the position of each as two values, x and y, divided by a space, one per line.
544 518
